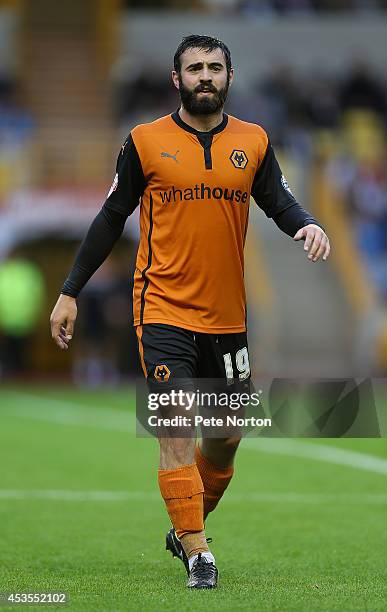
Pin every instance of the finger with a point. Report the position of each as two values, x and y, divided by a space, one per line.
70 328
309 239
59 342
315 245
55 328
64 335
300 234
327 250
320 251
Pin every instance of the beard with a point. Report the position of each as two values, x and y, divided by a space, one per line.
203 105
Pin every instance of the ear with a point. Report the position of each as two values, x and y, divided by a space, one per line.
175 79
231 76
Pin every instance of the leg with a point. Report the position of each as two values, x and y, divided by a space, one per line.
220 451
215 460
182 489
172 352
176 452
215 456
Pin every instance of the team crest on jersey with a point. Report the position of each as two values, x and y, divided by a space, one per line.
285 184
114 185
239 159
162 373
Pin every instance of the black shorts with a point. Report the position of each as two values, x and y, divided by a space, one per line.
168 352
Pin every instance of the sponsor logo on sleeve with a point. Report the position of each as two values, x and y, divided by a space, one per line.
123 147
285 185
114 186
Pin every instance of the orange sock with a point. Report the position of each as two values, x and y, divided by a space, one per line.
215 481
182 490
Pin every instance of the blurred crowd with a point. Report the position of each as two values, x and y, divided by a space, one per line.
352 109
264 8
16 122
16 129
358 171
366 196
282 101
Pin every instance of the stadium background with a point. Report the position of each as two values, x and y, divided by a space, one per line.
74 78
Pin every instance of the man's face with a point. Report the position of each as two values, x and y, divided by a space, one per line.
203 81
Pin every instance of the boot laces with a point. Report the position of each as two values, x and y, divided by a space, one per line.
203 568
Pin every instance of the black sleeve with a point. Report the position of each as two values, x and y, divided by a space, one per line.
123 197
272 193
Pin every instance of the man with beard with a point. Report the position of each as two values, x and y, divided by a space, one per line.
193 173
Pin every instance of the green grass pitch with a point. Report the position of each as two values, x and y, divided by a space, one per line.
80 512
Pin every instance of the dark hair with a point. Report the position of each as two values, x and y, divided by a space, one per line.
197 41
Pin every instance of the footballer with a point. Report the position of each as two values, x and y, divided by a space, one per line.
192 173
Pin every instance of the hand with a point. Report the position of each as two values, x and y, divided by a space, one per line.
316 241
62 320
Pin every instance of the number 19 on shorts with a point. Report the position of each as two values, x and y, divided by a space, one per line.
241 362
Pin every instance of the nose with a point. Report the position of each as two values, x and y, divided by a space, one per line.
205 75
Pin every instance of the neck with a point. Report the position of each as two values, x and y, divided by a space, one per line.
201 123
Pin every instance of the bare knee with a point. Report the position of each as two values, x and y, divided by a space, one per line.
176 452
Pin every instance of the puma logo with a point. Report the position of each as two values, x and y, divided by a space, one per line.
165 154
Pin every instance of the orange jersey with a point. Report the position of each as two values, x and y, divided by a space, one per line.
193 223
194 193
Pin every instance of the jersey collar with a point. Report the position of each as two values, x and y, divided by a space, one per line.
219 128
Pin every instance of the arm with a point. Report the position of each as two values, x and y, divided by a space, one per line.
272 193
127 188
103 233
